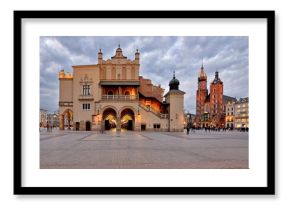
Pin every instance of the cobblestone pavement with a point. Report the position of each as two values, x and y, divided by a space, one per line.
143 150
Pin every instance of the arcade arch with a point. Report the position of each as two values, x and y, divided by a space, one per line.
66 120
109 118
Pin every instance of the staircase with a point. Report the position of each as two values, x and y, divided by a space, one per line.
155 112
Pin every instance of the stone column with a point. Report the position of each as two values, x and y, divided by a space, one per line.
118 126
119 90
61 122
137 123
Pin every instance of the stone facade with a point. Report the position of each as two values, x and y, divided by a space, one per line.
230 114
242 113
42 118
111 95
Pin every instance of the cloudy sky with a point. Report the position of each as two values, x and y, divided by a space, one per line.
159 57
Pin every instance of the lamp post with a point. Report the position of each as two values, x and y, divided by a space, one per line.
54 120
138 120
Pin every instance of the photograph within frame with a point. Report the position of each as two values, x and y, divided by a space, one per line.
170 15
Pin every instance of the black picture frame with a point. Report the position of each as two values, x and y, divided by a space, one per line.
268 190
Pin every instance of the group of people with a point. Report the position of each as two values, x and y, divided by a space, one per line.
214 129
49 127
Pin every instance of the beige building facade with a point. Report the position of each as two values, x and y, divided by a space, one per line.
110 95
242 113
42 118
230 114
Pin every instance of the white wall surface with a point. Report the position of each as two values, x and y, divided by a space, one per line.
282 99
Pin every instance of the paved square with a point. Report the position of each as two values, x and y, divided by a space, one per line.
143 150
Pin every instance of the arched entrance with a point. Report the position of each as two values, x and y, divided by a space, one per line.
127 93
109 119
127 119
66 120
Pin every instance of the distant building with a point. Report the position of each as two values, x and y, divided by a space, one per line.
42 117
56 118
111 95
230 114
242 113
53 119
210 107
189 119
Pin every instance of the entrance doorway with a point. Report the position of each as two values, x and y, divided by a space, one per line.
67 121
88 125
143 127
127 119
77 126
109 119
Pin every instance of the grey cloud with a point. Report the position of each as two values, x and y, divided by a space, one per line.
160 55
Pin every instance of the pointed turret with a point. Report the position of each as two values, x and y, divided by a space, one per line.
174 83
216 78
137 56
202 74
100 56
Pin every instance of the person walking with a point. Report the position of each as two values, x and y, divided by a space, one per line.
187 129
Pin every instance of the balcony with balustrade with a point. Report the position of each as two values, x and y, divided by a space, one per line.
119 97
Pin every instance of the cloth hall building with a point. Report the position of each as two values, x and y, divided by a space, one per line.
111 95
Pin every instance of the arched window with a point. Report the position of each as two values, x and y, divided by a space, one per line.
110 92
127 93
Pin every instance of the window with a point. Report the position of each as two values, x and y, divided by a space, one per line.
86 106
127 93
110 92
86 90
156 126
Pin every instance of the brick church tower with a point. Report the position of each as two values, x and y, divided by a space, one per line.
216 101
201 95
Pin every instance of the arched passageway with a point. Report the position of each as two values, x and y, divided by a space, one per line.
127 119
109 119
66 120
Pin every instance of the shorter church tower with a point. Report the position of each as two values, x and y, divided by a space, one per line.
216 101
175 98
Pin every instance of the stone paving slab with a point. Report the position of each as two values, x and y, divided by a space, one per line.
143 150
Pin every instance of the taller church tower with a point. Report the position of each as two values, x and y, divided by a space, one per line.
201 95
